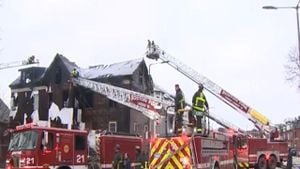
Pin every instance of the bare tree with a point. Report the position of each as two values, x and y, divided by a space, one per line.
293 68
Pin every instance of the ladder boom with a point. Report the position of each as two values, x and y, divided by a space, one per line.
259 120
31 60
146 104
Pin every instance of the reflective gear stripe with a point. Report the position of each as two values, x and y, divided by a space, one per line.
198 110
243 164
200 99
169 154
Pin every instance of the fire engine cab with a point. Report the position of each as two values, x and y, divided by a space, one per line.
34 146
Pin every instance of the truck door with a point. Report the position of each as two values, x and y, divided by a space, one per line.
47 152
65 148
80 150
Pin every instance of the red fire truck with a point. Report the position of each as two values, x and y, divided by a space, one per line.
34 146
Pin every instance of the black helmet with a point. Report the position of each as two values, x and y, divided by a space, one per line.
200 86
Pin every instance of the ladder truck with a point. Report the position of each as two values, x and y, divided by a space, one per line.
255 152
31 60
36 146
170 151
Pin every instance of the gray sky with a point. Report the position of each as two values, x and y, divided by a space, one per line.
234 43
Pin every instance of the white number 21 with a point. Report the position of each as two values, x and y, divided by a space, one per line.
80 158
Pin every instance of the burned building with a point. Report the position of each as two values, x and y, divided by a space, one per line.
37 88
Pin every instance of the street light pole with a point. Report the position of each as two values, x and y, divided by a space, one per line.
297 16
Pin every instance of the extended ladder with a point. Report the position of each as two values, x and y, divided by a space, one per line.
260 121
29 61
146 104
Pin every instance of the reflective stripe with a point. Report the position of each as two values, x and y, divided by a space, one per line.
200 101
199 129
198 109
243 164
170 153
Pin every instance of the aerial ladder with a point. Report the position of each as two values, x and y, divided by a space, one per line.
31 60
146 104
260 121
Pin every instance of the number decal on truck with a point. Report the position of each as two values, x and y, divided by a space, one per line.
80 158
29 161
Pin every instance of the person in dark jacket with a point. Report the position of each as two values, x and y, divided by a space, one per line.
139 159
179 109
117 161
126 161
200 106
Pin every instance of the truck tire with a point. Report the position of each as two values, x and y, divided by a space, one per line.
262 162
272 162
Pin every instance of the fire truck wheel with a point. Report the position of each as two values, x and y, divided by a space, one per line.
262 162
272 162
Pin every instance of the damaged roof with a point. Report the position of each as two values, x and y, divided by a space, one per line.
33 76
4 112
116 69
93 72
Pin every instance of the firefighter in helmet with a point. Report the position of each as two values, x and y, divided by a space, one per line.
117 161
179 109
200 107
30 60
74 73
140 162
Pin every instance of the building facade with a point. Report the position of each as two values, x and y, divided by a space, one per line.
37 89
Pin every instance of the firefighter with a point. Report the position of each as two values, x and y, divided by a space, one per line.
74 73
179 109
117 162
30 60
200 106
139 159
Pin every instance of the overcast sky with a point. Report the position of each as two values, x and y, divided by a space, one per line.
235 43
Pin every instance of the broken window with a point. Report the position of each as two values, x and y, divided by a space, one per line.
112 126
14 101
65 98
